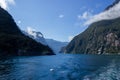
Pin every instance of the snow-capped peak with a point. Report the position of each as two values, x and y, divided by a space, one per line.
34 33
38 36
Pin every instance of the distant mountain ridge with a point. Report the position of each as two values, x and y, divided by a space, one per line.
38 36
14 43
56 45
102 37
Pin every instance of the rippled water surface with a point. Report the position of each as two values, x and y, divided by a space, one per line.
61 67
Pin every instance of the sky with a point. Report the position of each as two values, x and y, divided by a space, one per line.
57 19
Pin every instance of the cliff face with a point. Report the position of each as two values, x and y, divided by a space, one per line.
101 37
7 24
13 42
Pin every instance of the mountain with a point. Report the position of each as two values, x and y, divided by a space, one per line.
38 36
56 45
114 3
102 37
13 42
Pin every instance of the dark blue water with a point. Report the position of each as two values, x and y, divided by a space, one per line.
61 67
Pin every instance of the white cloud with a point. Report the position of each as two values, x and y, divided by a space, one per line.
70 38
86 15
19 22
61 16
112 13
5 3
82 18
30 31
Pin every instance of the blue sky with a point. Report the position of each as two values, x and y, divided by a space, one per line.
56 19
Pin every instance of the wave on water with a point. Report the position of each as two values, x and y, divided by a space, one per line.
110 72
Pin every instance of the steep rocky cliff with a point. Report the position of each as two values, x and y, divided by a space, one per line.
14 42
102 37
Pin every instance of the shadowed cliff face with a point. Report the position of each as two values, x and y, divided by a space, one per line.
99 38
13 42
7 24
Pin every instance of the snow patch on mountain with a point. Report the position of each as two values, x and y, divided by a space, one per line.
38 36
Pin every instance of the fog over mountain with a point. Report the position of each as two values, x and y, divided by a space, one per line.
112 12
